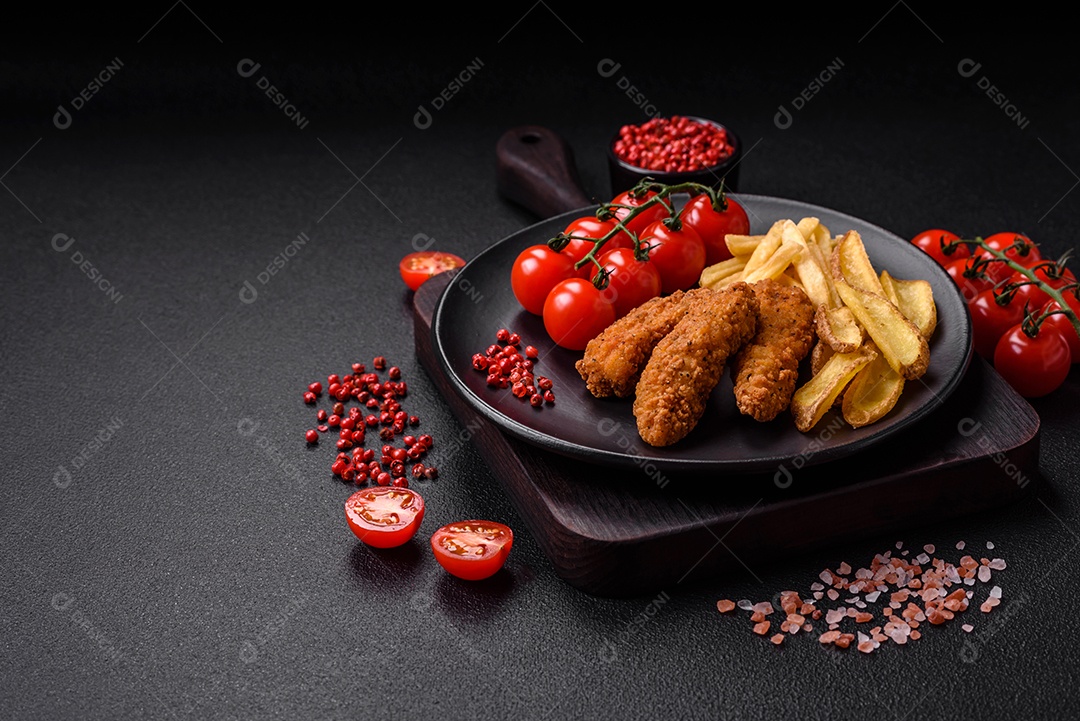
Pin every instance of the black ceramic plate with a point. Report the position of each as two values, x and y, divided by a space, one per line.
480 301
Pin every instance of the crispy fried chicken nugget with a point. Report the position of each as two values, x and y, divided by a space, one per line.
766 370
686 365
613 360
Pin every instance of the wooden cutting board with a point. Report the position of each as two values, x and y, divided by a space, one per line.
614 533
618 533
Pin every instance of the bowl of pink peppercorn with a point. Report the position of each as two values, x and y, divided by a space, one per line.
673 150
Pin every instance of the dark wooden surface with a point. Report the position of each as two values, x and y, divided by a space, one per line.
619 533
535 168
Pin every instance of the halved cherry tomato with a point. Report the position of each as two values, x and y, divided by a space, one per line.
640 221
575 312
679 254
590 227
472 550
631 282
536 271
935 241
417 267
714 225
384 516
1035 366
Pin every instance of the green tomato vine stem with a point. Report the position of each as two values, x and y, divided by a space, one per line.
607 211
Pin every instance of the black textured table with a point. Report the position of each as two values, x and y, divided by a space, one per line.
203 214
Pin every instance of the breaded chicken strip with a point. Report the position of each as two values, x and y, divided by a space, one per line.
686 365
766 370
613 360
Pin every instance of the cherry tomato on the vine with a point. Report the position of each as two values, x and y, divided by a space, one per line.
935 242
590 227
1037 295
472 550
991 319
384 516
1061 323
714 225
1005 242
641 221
679 254
417 267
1033 366
969 286
631 282
575 312
535 272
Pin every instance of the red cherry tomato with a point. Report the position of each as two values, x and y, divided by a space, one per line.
679 255
631 282
1036 295
417 267
384 516
991 319
642 220
590 227
536 271
935 241
1061 323
1033 366
472 550
969 286
1026 256
714 225
575 312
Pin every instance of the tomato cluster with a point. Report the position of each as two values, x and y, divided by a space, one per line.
580 289
1016 324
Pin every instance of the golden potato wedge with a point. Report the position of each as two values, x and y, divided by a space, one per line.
915 299
809 271
873 392
838 328
816 397
895 336
853 264
820 353
713 274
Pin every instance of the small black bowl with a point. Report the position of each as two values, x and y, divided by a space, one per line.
625 176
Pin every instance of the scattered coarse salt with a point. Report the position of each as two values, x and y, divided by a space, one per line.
960 546
899 545
922 559
725 606
929 548
998 564
764 608
968 628
984 574
990 545
815 586
777 639
745 605
873 596
995 592
833 594
826 578
844 569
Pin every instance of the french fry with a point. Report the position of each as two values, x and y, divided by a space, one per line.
712 275
896 337
742 244
769 244
838 328
777 263
807 227
850 262
817 396
813 275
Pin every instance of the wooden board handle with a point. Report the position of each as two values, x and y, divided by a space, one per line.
536 170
